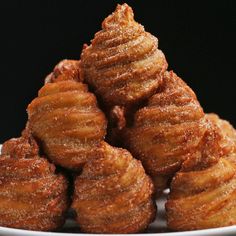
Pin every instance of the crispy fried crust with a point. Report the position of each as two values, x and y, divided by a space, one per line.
113 194
203 192
66 119
226 129
65 70
167 130
32 196
123 63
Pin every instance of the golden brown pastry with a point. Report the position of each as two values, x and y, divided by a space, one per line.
66 119
123 63
65 70
203 192
167 130
32 195
225 127
113 194
227 131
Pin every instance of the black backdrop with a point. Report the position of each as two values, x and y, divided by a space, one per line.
197 37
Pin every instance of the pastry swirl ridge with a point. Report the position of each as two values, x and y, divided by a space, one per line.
113 194
167 129
123 63
66 119
203 192
32 195
65 70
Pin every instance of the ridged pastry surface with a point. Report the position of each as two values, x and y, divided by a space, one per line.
65 117
203 192
67 121
228 132
65 70
167 129
32 196
123 63
113 194
226 129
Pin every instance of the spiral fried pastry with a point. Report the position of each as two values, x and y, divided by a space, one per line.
203 192
67 121
113 194
123 63
167 130
65 70
32 196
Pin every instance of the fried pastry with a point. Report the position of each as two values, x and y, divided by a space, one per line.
113 194
227 131
65 70
203 192
32 195
65 118
166 131
225 128
123 63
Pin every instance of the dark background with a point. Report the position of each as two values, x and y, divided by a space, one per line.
197 37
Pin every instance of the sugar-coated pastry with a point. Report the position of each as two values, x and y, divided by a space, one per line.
228 132
65 118
32 195
123 63
113 194
226 129
65 70
203 192
167 130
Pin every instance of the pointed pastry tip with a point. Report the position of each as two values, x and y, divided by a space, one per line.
123 15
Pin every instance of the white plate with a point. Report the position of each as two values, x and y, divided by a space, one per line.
157 228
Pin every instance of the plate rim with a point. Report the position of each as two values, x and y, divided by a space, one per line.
216 231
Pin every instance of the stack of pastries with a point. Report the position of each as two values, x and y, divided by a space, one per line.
170 143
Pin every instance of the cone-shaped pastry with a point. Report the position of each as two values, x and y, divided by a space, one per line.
113 194
66 119
167 130
123 63
32 196
203 192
